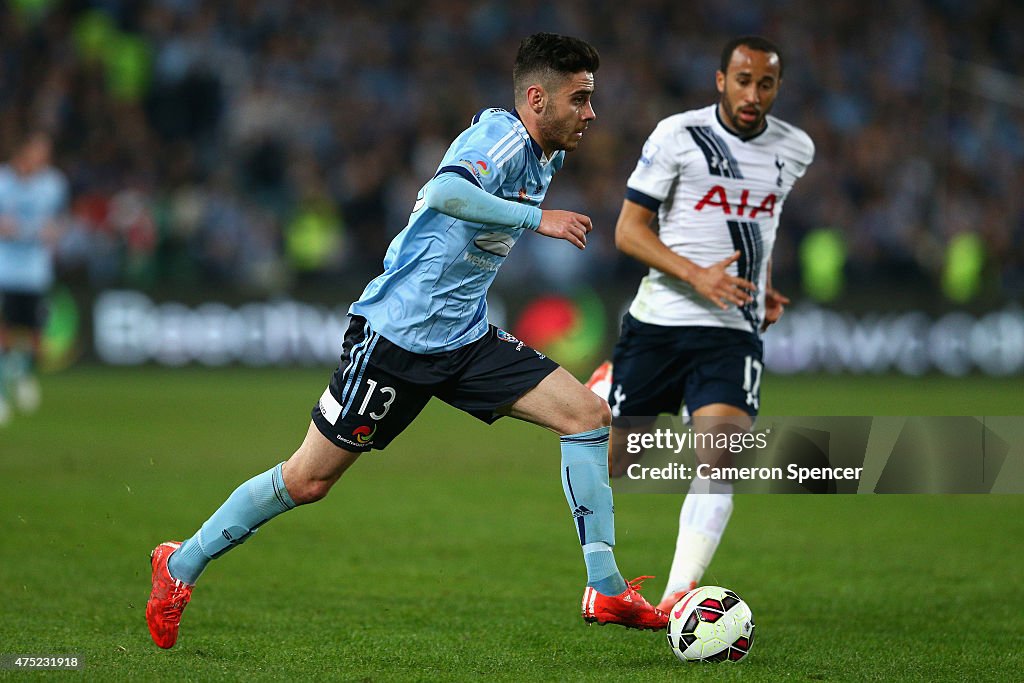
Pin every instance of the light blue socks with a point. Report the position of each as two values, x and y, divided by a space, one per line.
585 482
252 504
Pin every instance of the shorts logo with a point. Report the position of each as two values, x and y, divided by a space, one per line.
506 337
364 435
617 398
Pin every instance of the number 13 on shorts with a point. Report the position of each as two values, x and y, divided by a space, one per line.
388 393
385 396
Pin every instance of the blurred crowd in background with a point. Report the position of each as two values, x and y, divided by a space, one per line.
257 144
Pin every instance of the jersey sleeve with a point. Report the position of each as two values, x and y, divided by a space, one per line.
486 155
652 179
807 147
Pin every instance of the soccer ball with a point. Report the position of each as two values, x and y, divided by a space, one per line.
710 624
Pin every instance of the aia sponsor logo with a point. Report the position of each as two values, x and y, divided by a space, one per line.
364 435
717 196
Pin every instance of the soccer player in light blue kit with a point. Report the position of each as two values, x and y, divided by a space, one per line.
420 330
33 196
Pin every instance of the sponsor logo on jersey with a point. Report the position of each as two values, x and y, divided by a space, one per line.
717 196
482 165
480 262
364 435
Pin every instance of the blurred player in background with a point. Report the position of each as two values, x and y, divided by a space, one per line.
420 330
33 198
716 179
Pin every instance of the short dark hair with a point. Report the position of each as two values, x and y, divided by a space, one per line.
543 55
754 43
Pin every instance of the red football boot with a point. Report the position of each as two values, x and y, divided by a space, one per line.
600 381
627 609
669 601
167 600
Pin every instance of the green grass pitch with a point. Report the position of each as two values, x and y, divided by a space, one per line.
452 555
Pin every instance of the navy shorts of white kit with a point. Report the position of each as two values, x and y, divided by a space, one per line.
379 388
656 369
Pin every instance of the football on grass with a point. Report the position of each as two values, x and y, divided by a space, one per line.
710 624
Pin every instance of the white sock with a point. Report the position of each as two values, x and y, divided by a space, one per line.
702 520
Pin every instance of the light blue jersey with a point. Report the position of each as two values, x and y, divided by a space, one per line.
432 296
31 202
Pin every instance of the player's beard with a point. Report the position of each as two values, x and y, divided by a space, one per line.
560 133
738 124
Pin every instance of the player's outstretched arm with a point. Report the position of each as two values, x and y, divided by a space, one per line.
454 196
634 237
566 225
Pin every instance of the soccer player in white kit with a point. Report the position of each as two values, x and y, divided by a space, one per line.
716 178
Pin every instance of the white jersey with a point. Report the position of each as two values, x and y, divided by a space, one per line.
715 193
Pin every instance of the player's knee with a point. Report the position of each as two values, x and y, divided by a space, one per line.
307 491
593 413
604 412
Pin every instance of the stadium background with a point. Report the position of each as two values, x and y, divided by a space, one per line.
253 151
237 169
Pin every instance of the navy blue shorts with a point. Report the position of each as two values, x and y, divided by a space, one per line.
19 309
379 388
655 369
